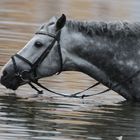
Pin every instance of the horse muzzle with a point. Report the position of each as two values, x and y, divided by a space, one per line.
9 80
12 80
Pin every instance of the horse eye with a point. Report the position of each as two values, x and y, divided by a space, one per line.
38 44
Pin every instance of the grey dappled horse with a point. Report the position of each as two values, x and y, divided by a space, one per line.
108 52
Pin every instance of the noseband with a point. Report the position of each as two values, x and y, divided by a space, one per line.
24 75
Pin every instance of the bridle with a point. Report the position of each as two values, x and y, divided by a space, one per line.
24 75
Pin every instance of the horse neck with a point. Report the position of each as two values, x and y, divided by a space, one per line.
80 53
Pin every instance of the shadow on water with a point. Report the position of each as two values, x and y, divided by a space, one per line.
39 120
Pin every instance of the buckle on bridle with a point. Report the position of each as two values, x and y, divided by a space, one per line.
25 76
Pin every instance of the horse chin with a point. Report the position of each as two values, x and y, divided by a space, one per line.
15 87
13 83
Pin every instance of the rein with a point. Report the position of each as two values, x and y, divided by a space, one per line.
24 75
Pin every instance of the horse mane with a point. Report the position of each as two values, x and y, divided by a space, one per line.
107 29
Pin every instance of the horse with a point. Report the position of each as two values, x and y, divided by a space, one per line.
106 51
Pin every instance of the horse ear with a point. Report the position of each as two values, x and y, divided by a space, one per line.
60 22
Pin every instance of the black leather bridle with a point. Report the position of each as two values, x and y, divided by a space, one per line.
24 75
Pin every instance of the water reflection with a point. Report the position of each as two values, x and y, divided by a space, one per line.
38 120
54 118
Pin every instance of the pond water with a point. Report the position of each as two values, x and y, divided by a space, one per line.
51 117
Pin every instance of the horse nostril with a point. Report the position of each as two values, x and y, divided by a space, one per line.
5 73
3 76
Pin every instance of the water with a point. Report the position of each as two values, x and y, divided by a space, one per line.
50 117
69 121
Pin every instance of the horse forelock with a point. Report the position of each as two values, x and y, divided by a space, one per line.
107 29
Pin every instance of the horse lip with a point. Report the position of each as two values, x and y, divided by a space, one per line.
10 83
11 86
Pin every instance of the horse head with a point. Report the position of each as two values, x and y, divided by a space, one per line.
41 56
